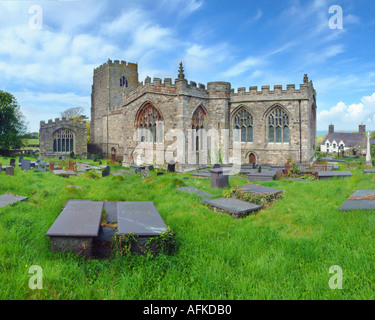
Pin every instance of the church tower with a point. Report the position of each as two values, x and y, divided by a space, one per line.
111 81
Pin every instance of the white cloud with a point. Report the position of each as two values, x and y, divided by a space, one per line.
242 67
349 117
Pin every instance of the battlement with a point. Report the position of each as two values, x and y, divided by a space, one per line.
290 89
116 64
61 122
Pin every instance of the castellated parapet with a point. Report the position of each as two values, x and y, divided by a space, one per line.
52 131
116 64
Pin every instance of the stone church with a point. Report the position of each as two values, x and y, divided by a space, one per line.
196 125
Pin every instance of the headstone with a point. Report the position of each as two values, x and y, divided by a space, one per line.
100 156
160 173
151 168
60 158
9 171
218 178
145 173
32 165
38 160
260 169
88 156
42 166
25 164
20 159
171 166
253 165
72 165
51 165
100 163
93 157
216 166
12 162
106 172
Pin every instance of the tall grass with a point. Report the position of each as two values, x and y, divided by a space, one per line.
283 252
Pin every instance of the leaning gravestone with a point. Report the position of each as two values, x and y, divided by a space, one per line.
106 172
42 166
12 162
25 164
9 171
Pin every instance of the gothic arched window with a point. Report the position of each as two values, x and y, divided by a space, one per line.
123 82
149 123
63 141
197 124
243 125
278 126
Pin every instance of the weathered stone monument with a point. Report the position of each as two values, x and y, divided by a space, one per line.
42 166
218 178
9 171
25 164
368 154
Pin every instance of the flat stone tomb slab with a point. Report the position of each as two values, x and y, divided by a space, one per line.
331 174
260 189
264 175
196 191
203 173
360 200
64 173
369 171
9 198
78 219
142 218
235 206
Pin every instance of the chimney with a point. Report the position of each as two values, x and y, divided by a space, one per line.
362 129
331 128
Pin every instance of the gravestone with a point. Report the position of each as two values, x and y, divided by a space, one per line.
216 166
71 165
151 168
25 164
265 175
100 156
42 166
171 166
253 188
325 175
33 165
9 171
145 173
218 178
12 162
51 166
360 200
260 169
100 163
160 173
9 198
106 172
253 165
60 158
88 156
20 159
93 157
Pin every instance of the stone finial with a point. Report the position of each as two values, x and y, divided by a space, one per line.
305 79
181 75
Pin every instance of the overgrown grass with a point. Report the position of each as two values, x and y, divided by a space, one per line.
284 252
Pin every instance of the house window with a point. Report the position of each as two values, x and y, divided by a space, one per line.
63 141
243 125
149 125
334 146
327 145
278 126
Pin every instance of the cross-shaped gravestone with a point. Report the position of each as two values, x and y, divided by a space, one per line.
9 171
25 164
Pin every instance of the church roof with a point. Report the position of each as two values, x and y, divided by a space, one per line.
350 139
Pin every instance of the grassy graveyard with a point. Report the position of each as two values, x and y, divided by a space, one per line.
283 252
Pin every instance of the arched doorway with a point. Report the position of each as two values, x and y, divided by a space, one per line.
252 158
198 125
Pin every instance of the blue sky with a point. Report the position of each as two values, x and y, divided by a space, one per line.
247 43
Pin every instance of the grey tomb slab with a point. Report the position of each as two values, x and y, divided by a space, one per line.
354 203
78 219
260 189
331 174
196 191
238 207
9 198
142 218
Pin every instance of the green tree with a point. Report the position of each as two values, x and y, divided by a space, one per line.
12 124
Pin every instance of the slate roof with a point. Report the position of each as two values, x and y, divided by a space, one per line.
350 139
